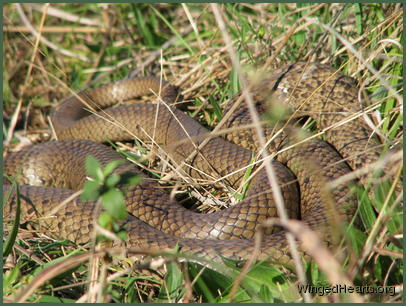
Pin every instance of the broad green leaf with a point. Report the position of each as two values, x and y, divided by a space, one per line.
90 191
265 294
209 282
123 235
357 239
93 169
173 284
106 220
113 203
111 166
133 180
112 180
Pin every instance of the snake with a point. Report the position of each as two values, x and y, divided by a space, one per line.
50 172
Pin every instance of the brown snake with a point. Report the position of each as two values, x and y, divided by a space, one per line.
313 89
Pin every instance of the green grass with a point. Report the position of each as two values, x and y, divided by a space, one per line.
198 61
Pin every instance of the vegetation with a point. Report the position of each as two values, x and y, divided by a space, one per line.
89 44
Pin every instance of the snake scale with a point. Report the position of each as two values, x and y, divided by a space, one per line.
155 221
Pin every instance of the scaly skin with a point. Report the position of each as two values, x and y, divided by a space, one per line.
155 221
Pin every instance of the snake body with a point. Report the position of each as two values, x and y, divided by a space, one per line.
155 221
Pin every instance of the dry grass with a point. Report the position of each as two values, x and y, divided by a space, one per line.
82 45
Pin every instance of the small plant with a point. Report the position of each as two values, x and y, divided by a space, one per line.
104 187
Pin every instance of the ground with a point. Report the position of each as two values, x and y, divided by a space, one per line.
185 44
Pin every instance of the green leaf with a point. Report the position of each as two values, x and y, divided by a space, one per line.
357 239
16 224
366 209
272 278
106 220
246 185
265 294
235 82
113 203
54 299
358 17
123 235
173 283
216 107
49 264
207 283
39 102
261 32
132 179
94 47
111 166
112 180
93 168
173 29
10 278
90 191
314 272
143 28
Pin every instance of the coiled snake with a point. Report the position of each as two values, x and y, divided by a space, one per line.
313 89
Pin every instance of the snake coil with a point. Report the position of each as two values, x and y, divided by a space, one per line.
155 221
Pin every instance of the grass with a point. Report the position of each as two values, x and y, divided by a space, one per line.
112 41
